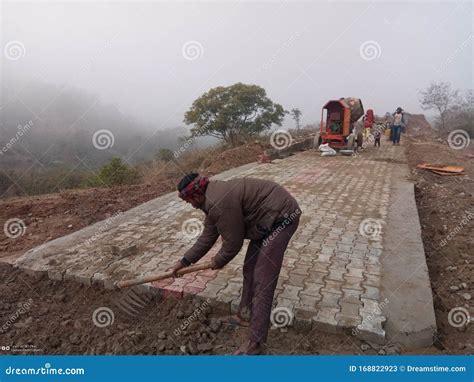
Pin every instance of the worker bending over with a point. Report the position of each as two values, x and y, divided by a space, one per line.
238 209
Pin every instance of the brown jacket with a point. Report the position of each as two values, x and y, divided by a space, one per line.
240 209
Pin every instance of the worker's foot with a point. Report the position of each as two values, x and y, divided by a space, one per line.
249 348
235 320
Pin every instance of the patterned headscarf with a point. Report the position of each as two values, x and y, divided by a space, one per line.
197 186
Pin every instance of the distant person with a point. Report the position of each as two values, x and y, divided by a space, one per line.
397 126
377 134
355 130
388 125
386 130
368 121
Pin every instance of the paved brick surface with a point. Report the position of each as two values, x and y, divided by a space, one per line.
331 272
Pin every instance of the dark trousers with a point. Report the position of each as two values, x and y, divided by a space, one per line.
396 133
377 142
261 269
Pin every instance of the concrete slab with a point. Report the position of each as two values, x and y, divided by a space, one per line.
406 288
337 271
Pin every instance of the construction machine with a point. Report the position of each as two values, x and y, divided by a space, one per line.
337 124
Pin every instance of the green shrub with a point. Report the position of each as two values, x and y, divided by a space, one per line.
114 172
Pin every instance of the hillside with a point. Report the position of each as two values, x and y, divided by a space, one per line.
46 126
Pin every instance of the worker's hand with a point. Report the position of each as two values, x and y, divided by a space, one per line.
176 268
214 264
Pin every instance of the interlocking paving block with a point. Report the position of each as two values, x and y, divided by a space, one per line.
319 267
312 289
296 279
323 258
285 303
373 269
211 291
329 300
301 269
338 264
354 272
317 277
351 296
371 292
325 319
331 274
353 283
349 310
372 280
356 263
348 323
371 328
344 248
290 292
333 286
308 302
370 306
327 249
343 256
335 275
232 289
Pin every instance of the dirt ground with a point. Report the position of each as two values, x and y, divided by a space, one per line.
58 320
235 157
48 217
57 317
445 206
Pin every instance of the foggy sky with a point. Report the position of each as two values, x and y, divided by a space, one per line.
134 54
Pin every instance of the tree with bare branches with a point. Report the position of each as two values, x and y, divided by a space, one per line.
296 115
440 97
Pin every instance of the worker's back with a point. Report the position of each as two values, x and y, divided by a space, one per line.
262 203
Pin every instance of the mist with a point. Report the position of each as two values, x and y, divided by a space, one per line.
152 59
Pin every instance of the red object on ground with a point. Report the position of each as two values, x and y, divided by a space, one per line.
264 158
